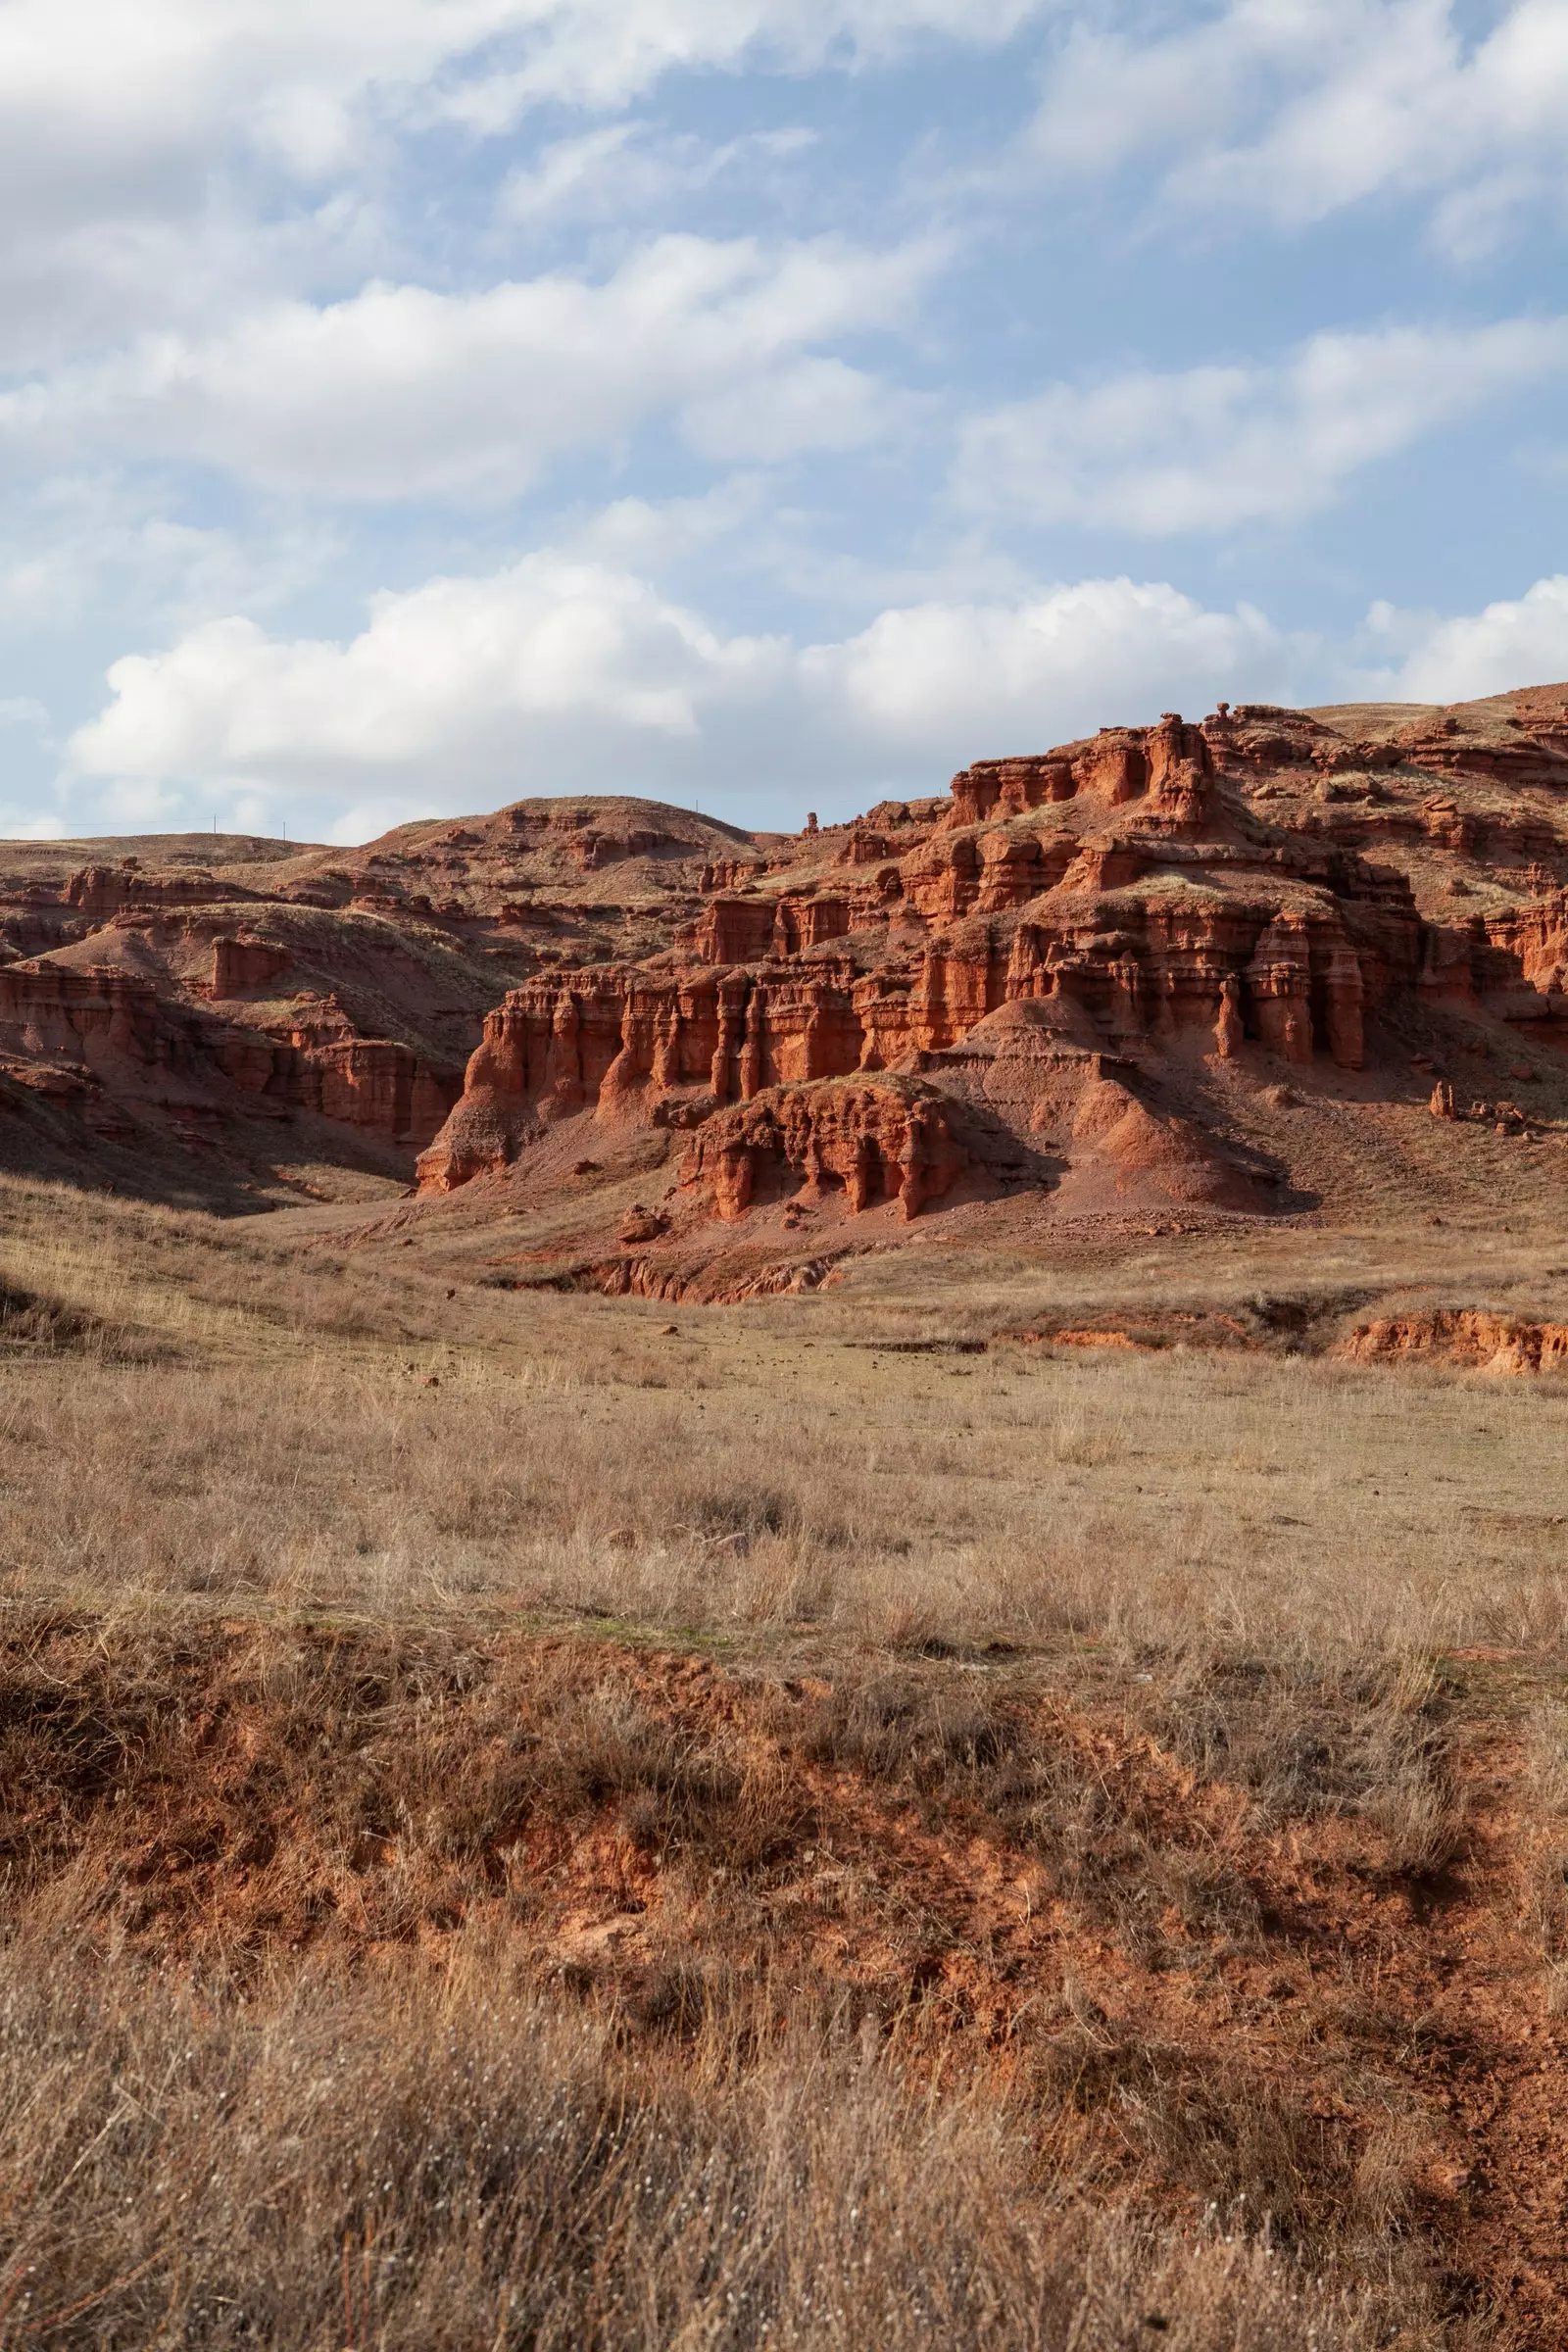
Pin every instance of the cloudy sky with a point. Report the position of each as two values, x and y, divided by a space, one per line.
406 405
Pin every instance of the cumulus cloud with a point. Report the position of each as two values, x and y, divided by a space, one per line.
562 676
1297 111
404 391
1208 447
1046 667
1520 642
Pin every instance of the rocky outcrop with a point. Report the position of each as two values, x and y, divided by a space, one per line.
1138 887
115 1029
1470 1339
1207 909
887 1140
241 966
1113 767
1118 968
88 1017
1524 966
103 891
370 1083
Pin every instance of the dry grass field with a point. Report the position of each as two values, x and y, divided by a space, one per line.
534 1820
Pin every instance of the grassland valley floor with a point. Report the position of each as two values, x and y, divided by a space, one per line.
848 1628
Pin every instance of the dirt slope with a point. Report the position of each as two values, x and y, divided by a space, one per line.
1239 1942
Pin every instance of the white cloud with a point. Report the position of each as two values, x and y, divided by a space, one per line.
98 98
168 162
1211 446
75 549
403 391
548 653
566 675
1295 109
1519 643
605 53
558 675
620 170
24 711
1019 675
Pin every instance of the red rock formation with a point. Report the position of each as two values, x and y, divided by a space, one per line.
763 1005
1532 944
878 1139
1198 899
1180 770
116 1027
741 930
372 1082
85 1016
104 891
1112 766
242 964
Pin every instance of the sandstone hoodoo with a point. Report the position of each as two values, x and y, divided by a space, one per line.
1079 977
882 1140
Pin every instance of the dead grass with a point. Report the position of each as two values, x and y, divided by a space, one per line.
1548 1757
1374 1743
455 2163
336 1431
897 1899
520 1961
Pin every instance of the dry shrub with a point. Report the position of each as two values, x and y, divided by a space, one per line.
1237 2144
1241 2140
1372 1740
1547 1755
305 1812
1023 1776
363 1773
439 2163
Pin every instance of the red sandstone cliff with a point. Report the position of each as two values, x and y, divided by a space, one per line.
1261 893
1271 892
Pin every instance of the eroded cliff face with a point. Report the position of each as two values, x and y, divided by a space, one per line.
1002 989
1117 884
251 1002
879 1140
111 1042
1268 895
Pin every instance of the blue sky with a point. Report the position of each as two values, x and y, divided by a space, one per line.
765 404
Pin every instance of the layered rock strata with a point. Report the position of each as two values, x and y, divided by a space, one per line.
95 1029
1270 896
882 1140
1178 922
1154 897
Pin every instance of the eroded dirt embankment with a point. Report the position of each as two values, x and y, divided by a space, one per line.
1471 1339
1241 1935
1463 1339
